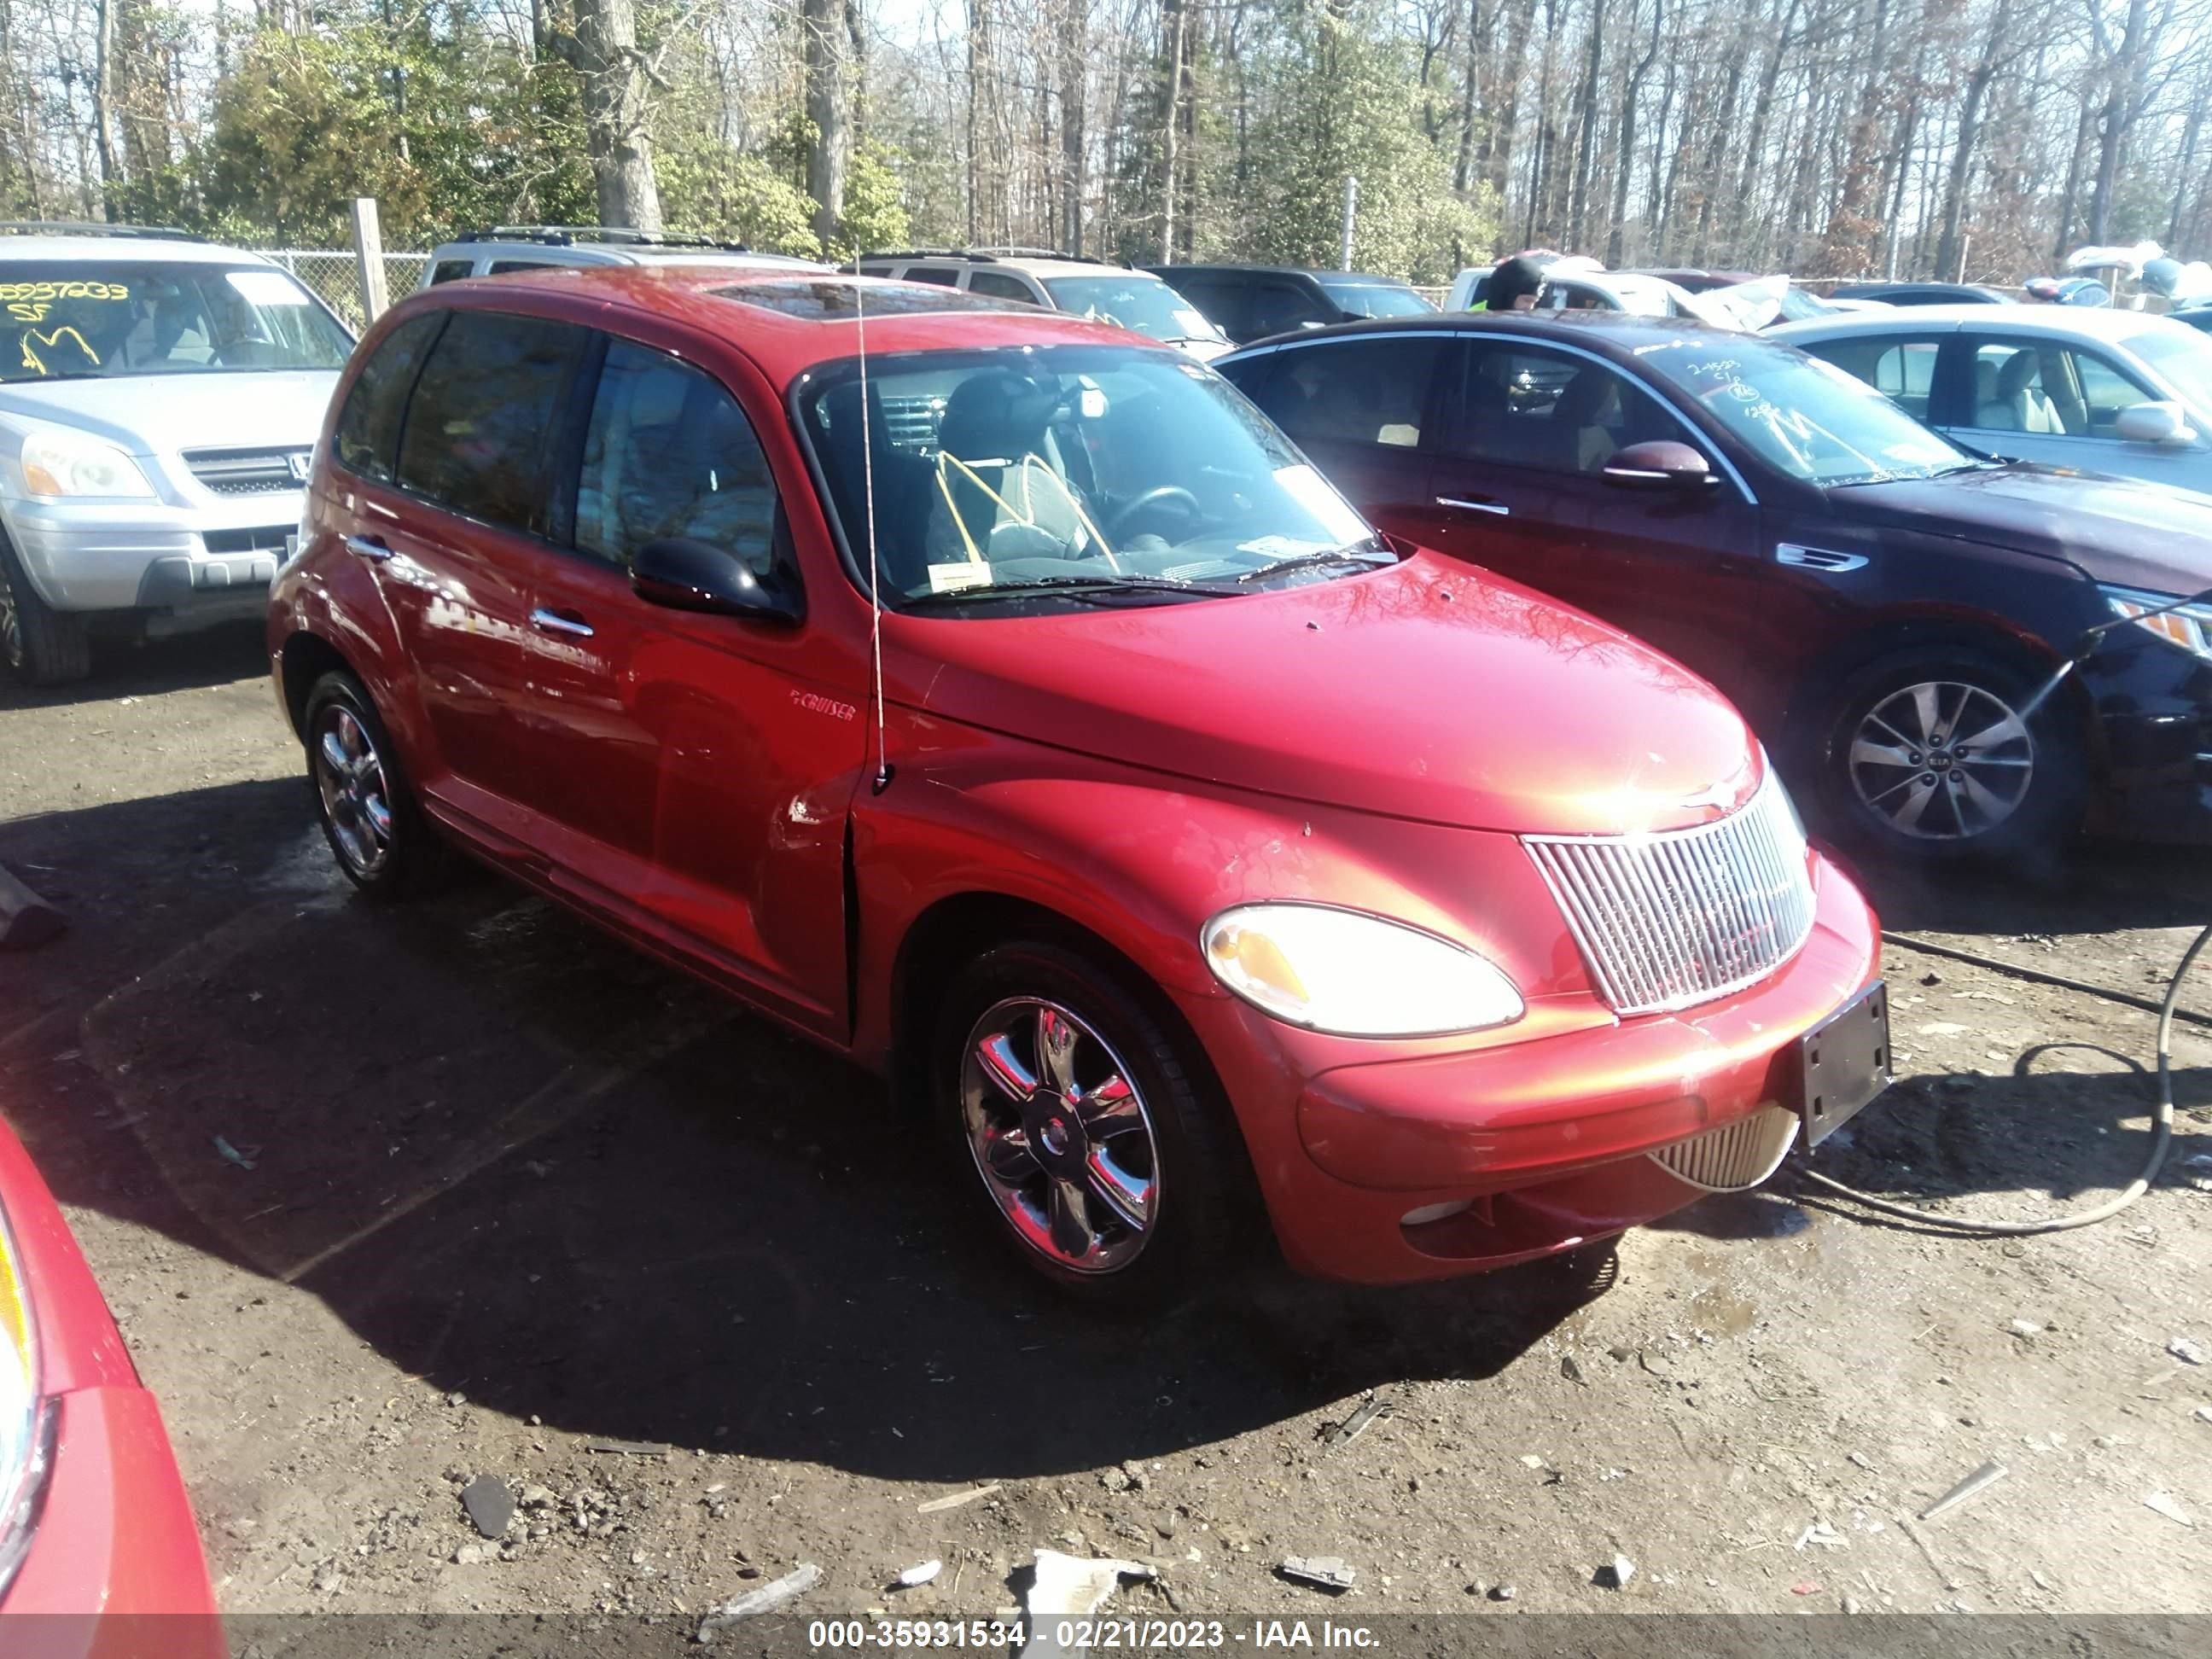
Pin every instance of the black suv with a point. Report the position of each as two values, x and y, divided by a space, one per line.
1250 302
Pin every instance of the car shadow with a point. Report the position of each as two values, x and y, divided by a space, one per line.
2086 885
120 668
529 1165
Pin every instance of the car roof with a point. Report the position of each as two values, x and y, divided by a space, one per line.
2066 322
1620 333
1319 276
122 250
771 313
1033 265
610 253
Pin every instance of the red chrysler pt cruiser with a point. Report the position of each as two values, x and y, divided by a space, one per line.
1199 861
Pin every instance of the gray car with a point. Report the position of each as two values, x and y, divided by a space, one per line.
2122 393
159 399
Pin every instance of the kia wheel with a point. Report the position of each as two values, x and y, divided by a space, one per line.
1938 754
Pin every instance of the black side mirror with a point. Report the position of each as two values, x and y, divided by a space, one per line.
688 575
1662 464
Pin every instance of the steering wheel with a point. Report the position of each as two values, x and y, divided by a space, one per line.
1153 497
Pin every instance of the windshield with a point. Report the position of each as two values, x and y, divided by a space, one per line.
1133 300
1376 299
79 319
1798 304
2183 362
1098 467
1803 416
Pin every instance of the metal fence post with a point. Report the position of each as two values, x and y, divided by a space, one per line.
369 252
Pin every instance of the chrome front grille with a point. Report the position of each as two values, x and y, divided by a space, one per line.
248 471
1682 916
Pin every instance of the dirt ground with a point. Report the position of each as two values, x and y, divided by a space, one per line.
388 1200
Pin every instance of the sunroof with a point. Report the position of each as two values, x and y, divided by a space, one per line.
819 300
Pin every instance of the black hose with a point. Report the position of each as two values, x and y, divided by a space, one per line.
2018 971
2161 1122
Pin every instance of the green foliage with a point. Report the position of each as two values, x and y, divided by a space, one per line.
708 188
875 202
303 124
1344 104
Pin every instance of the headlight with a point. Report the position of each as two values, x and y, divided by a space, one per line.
76 463
26 1448
1354 974
2189 627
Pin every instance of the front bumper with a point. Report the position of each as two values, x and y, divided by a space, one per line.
151 556
115 1536
2153 704
1547 1137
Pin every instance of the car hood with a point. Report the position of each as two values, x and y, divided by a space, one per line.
2137 535
1426 691
162 414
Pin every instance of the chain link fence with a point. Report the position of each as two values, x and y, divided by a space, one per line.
334 275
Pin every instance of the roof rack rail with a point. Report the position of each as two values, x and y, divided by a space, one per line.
975 255
93 228
616 235
1044 253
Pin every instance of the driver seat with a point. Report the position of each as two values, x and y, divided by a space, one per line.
997 466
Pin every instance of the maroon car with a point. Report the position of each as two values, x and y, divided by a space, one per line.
1882 603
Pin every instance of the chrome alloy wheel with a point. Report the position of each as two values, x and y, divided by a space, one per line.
356 801
1942 760
1059 1135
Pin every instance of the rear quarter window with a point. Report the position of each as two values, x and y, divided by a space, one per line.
366 441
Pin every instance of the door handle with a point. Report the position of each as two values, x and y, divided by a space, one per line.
371 548
554 621
1480 504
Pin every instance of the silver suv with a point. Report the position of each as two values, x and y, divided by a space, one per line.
159 399
535 248
1086 288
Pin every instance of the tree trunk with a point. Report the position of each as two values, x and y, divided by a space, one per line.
103 105
1970 132
1627 147
1505 115
1173 24
1074 35
1586 143
823 30
2085 125
1465 157
618 98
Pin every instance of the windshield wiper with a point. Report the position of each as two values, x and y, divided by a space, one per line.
1371 553
1069 586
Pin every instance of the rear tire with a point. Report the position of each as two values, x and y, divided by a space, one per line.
1922 756
39 645
1089 1136
383 841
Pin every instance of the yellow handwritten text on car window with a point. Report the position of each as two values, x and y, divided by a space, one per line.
33 342
71 290
34 311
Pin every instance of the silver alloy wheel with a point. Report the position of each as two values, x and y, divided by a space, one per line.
357 800
1059 1135
1942 760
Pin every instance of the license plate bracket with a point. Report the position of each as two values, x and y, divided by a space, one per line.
1844 1064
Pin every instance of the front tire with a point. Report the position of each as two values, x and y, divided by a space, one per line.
39 645
1925 757
1093 1134
377 832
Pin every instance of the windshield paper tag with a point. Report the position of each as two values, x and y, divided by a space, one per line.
951 578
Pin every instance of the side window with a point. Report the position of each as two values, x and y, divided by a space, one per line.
450 270
669 455
1277 308
999 286
366 441
1371 391
1903 370
939 274
1224 304
1526 406
501 267
2022 386
475 437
